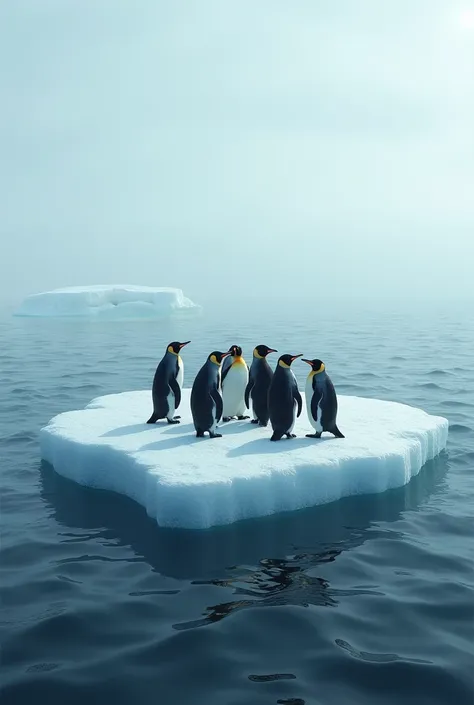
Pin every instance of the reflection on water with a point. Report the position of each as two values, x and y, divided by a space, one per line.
267 561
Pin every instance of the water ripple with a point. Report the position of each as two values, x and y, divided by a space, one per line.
459 428
375 658
271 677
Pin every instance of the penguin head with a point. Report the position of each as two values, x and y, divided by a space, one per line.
316 365
286 360
261 351
235 350
216 357
175 347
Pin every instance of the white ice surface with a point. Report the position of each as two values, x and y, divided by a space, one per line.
183 481
114 300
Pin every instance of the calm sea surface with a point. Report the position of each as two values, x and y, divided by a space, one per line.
368 600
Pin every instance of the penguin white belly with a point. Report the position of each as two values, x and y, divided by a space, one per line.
295 407
213 412
315 423
180 375
233 390
171 404
251 406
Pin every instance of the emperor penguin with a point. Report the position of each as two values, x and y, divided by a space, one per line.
234 379
167 384
260 377
321 400
206 400
284 399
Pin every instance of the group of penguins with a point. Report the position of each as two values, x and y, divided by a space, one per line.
225 387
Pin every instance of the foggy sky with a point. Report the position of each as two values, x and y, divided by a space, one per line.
264 145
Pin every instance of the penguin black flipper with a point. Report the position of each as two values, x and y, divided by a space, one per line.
176 391
328 406
315 400
224 373
248 389
219 404
299 401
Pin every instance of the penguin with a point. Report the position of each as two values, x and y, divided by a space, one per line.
284 399
167 384
206 399
321 400
260 377
234 379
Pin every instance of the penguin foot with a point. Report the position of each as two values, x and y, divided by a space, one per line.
176 417
215 435
290 435
241 418
226 418
313 435
175 420
254 421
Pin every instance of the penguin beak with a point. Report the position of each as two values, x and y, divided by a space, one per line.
183 344
229 352
307 361
272 350
293 357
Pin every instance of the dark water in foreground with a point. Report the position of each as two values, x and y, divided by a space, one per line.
368 600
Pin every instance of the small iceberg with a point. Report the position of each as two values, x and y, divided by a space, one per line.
107 301
195 483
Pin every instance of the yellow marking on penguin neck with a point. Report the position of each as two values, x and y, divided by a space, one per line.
317 372
214 360
179 358
283 364
170 349
239 360
257 355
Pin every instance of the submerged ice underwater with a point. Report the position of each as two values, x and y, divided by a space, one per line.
185 482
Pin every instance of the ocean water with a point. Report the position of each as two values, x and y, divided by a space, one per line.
369 600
